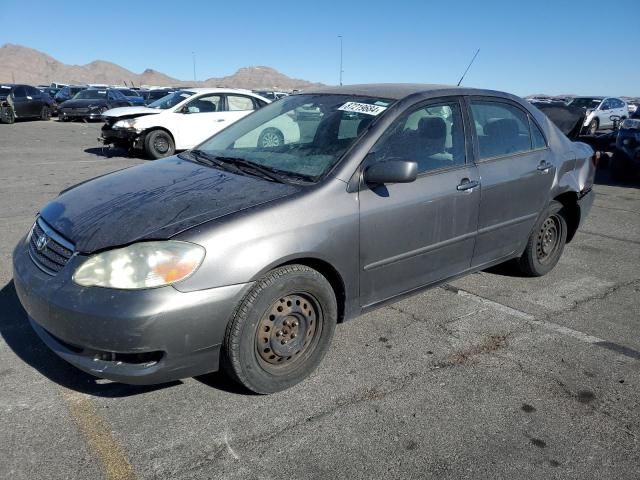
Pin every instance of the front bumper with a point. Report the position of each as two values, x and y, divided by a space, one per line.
72 115
131 336
119 135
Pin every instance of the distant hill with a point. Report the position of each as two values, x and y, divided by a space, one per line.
20 64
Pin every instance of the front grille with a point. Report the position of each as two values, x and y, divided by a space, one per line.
48 250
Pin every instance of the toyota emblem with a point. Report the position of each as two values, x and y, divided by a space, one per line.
41 242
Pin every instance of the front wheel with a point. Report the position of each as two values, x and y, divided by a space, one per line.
593 127
8 115
159 144
281 330
546 242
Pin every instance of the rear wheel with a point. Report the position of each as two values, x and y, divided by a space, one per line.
270 137
159 144
45 113
546 242
281 330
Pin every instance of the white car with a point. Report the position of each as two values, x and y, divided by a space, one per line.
599 111
184 119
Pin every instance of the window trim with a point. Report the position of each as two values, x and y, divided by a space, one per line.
544 137
474 134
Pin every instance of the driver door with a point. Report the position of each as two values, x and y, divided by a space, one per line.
414 234
199 119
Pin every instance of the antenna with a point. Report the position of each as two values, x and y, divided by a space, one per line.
468 67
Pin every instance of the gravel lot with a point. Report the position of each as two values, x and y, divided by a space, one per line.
491 376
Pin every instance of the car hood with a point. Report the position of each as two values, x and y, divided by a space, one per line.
153 201
130 112
84 103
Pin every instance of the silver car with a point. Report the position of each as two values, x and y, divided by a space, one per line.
245 257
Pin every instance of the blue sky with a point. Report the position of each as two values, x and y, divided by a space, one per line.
527 46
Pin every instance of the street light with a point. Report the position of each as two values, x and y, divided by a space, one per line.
341 71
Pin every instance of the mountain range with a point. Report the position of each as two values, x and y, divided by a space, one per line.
20 64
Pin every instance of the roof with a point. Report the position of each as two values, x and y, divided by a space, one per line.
383 90
215 90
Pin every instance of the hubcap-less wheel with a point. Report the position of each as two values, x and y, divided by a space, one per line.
286 333
271 139
161 144
548 239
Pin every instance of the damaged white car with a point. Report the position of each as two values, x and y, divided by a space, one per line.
184 119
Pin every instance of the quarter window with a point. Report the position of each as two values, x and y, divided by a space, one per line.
501 129
432 136
237 103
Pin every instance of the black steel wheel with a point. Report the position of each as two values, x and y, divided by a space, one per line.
281 330
546 242
159 144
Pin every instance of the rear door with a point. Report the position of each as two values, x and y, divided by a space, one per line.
516 174
414 234
21 102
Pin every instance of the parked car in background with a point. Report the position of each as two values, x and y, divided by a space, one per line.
151 96
271 94
133 96
68 92
91 103
19 101
599 110
244 257
180 120
633 105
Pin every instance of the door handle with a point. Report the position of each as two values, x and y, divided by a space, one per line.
544 166
467 185
220 120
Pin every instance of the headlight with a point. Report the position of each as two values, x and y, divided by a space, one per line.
141 265
129 123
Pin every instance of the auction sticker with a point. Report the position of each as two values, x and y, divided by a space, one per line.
362 108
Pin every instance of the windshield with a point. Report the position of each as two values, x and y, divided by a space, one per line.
170 100
91 94
300 135
129 93
585 102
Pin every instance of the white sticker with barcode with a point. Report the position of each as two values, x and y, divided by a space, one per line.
366 108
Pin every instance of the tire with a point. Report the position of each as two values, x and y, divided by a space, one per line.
593 126
9 116
281 330
159 144
270 137
546 243
45 113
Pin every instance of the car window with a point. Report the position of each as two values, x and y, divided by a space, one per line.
501 128
20 92
537 137
204 104
432 136
34 92
606 105
236 103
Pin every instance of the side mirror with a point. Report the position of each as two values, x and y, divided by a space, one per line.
391 171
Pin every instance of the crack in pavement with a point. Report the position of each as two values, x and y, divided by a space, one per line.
610 237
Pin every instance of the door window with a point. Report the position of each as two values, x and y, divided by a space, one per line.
33 92
432 136
237 103
606 105
537 137
501 129
204 104
20 92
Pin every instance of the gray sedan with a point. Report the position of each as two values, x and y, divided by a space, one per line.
245 257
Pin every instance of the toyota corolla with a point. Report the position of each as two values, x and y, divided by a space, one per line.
244 256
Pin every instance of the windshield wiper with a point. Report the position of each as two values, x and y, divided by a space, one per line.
253 168
203 157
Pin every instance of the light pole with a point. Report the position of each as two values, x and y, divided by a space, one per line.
193 54
341 71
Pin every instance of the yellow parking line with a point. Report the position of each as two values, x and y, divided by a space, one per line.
112 457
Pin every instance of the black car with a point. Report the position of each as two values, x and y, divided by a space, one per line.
67 93
23 101
91 103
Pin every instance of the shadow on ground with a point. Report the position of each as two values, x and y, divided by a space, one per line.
108 152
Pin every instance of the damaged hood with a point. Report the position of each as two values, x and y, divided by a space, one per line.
130 112
153 201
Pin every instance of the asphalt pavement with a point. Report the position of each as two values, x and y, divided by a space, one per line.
491 376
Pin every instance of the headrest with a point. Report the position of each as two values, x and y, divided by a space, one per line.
432 127
505 127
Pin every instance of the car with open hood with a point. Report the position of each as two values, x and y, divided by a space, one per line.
244 256
91 103
185 118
